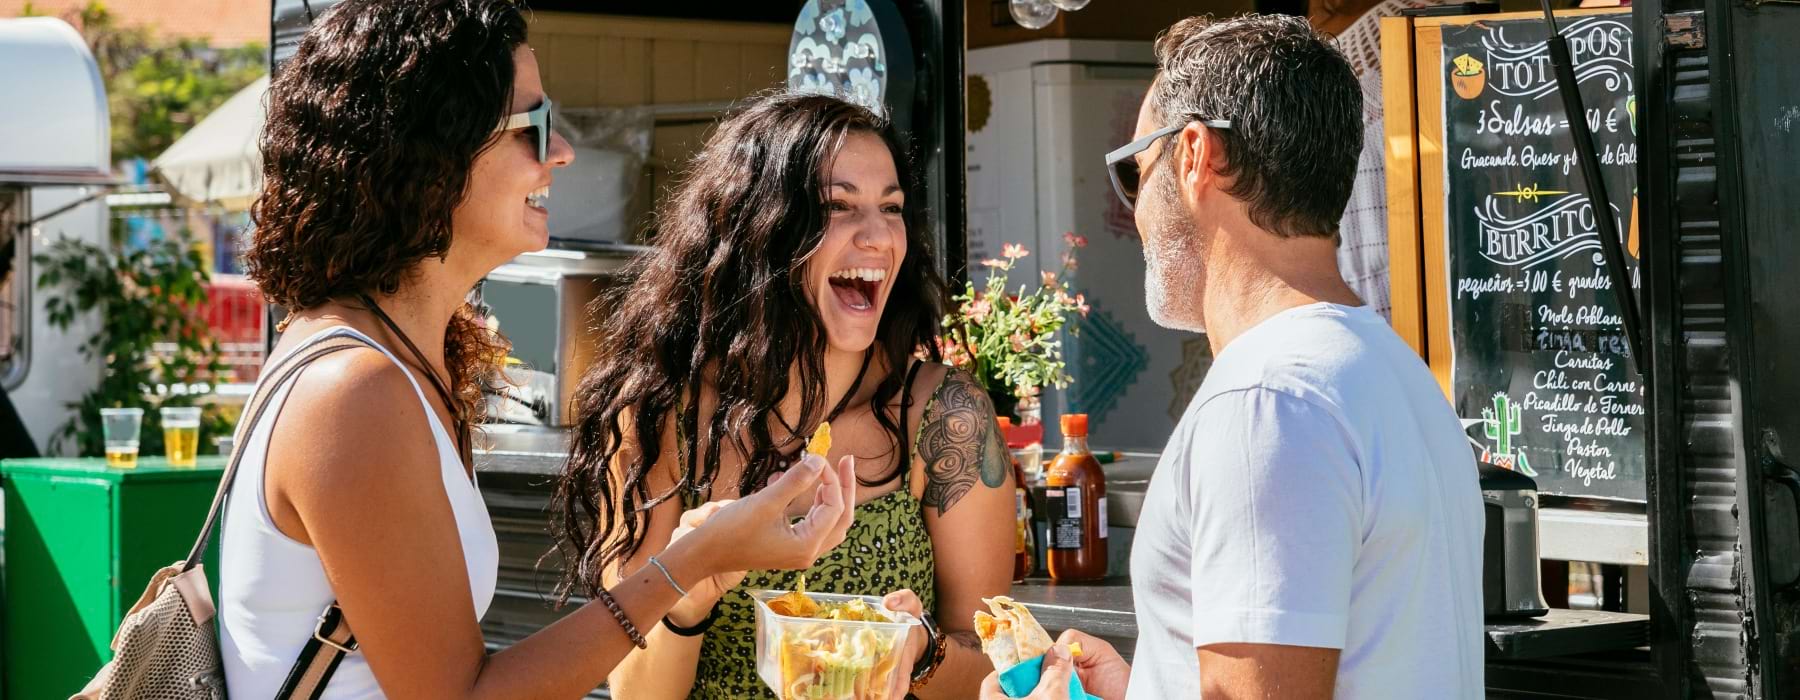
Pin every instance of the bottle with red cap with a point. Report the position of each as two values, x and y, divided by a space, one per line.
1075 506
1022 557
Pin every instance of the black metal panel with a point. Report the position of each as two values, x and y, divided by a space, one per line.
1719 199
728 10
1623 675
1761 194
1698 624
936 27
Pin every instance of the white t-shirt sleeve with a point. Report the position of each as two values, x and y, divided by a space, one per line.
1278 518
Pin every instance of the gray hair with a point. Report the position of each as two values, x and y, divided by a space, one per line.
1295 108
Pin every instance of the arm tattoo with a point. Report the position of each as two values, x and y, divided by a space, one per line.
960 443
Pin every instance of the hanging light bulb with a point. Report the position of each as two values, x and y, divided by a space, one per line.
1069 5
1033 14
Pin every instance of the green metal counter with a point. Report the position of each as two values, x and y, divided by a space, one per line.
81 542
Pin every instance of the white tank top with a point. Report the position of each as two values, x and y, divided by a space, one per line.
272 588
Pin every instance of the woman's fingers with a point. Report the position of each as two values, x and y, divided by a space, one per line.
846 469
788 486
917 641
906 601
698 516
826 499
815 531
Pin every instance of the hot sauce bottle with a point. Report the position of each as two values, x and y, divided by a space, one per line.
1075 506
1023 565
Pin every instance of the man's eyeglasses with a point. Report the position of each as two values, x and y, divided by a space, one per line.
537 118
1122 166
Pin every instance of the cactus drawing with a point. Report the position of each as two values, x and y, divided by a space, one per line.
1501 423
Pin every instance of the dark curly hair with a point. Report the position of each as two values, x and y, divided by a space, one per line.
721 302
372 130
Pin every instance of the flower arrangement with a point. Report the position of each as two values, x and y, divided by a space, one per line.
1008 340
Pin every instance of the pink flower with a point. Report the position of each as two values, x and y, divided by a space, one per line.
1075 241
1013 251
1018 342
1049 279
994 262
1081 303
953 352
1068 261
978 310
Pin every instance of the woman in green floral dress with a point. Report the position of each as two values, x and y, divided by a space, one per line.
791 283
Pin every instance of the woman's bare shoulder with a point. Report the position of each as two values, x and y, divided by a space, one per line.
348 410
960 443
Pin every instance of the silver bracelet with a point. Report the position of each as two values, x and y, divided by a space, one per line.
665 572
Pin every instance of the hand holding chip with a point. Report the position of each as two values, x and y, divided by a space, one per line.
730 537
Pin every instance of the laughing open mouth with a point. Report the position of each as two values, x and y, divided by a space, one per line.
857 286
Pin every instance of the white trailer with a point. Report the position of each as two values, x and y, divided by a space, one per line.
55 167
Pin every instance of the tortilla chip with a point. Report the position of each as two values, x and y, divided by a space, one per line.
795 604
820 444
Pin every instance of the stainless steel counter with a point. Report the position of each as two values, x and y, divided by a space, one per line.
508 449
1102 608
517 465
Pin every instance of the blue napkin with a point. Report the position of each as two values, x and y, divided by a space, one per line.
1022 678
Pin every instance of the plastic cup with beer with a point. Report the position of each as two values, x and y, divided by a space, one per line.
120 426
181 435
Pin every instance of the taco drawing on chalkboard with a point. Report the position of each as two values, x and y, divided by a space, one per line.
1467 76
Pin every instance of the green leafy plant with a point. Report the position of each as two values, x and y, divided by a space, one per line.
150 333
158 88
1008 341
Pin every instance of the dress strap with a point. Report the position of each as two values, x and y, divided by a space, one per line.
907 440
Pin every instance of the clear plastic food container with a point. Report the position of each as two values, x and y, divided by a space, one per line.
821 659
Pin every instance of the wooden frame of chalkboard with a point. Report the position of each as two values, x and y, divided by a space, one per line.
1494 265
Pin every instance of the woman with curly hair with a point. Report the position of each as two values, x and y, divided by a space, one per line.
790 284
407 153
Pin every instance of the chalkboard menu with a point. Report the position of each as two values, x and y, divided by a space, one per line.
1541 372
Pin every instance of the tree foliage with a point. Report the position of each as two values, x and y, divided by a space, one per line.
158 88
151 336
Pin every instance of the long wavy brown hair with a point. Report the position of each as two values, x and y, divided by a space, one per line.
721 302
372 130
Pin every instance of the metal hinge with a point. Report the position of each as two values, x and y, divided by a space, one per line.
1685 30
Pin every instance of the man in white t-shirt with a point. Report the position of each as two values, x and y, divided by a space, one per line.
1315 527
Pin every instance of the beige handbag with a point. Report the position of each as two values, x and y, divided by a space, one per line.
167 647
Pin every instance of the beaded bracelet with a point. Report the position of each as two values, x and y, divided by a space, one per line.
624 622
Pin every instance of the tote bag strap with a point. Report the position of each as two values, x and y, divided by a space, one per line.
287 368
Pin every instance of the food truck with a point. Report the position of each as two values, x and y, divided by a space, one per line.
55 169
1665 466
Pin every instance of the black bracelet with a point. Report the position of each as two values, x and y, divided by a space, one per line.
936 646
698 629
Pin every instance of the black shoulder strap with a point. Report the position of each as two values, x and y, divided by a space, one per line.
906 439
463 438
